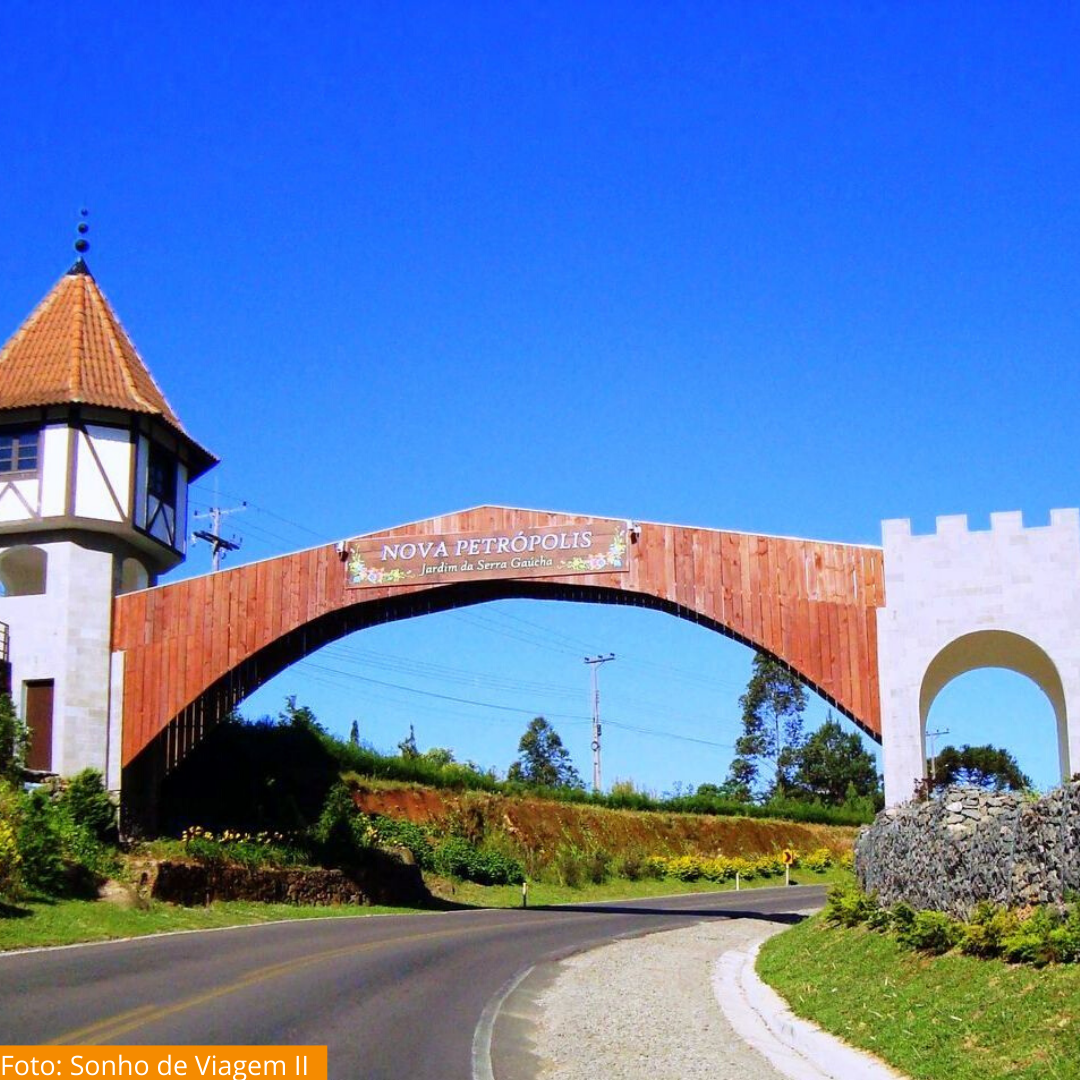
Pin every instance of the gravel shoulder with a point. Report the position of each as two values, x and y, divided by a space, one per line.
643 1008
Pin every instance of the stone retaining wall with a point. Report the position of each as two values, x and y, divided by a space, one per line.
391 882
967 845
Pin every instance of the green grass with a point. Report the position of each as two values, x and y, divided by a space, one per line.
946 1018
542 893
65 922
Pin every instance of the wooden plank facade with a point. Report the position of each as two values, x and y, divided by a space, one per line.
194 649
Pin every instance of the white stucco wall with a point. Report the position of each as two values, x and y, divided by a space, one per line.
104 462
983 587
55 441
18 499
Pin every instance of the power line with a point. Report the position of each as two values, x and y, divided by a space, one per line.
271 513
566 717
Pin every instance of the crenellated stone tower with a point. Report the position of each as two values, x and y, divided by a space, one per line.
94 472
961 599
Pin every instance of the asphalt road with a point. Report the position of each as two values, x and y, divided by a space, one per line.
392 997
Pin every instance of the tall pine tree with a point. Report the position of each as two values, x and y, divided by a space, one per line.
772 709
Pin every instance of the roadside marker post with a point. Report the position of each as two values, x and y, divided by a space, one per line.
789 858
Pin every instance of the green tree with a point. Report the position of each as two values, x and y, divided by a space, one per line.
299 716
542 758
407 747
987 767
354 733
438 755
832 766
14 740
772 709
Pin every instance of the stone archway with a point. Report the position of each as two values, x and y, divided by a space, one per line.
998 649
1007 596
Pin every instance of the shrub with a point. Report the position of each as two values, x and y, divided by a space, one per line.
394 832
932 932
848 905
88 803
1040 936
9 860
633 866
341 833
655 867
40 845
818 861
769 865
243 849
598 865
1044 938
718 869
987 928
901 918
14 739
456 857
684 868
567 867
745 869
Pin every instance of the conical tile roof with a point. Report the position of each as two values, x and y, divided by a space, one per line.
72 349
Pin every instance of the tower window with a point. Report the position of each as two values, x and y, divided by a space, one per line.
161 481
18 451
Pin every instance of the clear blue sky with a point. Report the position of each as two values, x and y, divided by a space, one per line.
780 268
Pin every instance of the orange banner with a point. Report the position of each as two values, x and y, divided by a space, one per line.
189 1062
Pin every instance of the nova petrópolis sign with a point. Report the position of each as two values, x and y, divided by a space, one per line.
378 561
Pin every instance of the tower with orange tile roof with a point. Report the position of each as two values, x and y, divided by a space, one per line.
94 471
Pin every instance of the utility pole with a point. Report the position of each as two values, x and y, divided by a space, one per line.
595 662
213 535
931 736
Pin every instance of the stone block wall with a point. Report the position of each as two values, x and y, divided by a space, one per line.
961 599
384 880
950 852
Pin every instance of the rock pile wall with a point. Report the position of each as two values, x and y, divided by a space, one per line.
191 884
968 845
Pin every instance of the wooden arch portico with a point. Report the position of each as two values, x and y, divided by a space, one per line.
185 654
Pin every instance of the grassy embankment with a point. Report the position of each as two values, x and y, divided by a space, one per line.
65 922
35 924
949 1017
551 838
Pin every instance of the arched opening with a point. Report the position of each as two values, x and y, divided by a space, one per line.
670 707
130 575
175 740
23 571
1000 649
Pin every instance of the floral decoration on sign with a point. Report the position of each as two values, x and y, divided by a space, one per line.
611 560
359 572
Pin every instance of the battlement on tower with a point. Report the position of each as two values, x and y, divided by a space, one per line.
1002 522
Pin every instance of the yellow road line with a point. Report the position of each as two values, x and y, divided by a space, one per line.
76 1035
114 1026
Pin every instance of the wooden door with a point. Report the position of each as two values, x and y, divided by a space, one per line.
39 719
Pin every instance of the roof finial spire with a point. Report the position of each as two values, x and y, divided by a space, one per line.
81 245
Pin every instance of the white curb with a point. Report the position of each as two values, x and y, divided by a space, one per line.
795 1047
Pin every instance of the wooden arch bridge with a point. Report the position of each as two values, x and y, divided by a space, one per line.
185 654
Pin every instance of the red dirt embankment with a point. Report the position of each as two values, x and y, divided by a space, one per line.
539 827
